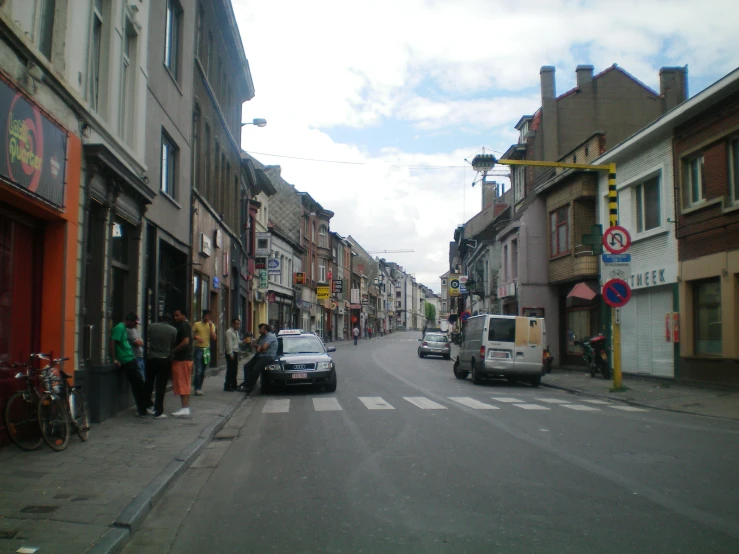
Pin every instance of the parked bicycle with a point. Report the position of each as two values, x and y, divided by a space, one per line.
21 410
61 407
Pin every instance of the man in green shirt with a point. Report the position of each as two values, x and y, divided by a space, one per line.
124 360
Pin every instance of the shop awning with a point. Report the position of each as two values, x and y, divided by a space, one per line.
584 291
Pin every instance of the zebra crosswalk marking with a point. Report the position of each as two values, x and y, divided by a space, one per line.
628 408
507 399
424 403
326 405
580 408
553 400
597 402
531 407
276 406
375 403
472 403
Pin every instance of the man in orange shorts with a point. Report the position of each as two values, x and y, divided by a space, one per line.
182 362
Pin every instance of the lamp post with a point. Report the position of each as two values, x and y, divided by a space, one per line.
259 122
486 162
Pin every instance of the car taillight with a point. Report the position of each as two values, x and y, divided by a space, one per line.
482 352
449 345
424 343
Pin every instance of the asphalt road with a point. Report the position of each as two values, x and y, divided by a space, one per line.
406 458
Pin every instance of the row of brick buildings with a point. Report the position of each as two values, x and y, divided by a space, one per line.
535 249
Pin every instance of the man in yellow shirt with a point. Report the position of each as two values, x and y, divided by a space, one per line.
203 332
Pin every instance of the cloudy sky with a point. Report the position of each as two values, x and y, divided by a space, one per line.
402 91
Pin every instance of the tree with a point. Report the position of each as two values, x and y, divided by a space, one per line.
430 312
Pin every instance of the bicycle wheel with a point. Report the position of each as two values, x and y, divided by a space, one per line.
54 420
78 412
21 422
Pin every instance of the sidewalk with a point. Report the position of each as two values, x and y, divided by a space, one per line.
97 492
651 393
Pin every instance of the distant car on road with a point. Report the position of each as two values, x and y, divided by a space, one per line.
302 359
435 344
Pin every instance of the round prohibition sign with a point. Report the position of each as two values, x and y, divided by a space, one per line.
616 239
616 293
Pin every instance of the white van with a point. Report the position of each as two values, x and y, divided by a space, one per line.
502 346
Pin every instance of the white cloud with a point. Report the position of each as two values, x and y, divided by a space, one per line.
460 71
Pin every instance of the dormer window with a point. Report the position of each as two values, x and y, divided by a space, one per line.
524 131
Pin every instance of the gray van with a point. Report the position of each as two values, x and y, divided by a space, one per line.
511 347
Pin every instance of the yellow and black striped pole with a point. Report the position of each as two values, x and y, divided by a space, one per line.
615 322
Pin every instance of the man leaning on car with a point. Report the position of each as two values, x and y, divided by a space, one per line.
266 351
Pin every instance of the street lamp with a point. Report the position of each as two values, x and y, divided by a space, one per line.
259 122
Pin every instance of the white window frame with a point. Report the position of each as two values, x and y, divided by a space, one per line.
98 38
638 194
321 270
172 31
322 236
687 168
519 182
168 168
126 106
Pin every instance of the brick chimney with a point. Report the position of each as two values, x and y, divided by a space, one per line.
673 86
584 76
489 193
549 116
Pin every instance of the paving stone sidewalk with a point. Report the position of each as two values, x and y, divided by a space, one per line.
653 393
64 502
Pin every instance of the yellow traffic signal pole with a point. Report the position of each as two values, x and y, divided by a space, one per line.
613 220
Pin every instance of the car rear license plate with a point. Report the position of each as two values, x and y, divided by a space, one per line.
500 355
300 375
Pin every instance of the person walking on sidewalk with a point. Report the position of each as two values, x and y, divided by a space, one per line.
162 338
369 332
137 345
124 360
233 343
203 331
355 334
182 363
266 351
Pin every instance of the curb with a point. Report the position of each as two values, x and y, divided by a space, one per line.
581 392
133 515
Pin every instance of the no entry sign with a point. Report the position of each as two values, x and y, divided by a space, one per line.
616 293
616 239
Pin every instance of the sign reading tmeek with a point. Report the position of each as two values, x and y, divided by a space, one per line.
34 155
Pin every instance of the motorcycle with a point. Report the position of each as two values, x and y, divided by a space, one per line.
595 355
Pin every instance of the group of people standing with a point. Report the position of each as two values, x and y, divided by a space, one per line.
176 347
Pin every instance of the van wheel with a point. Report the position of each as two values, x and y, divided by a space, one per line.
535 381
476 379
460 373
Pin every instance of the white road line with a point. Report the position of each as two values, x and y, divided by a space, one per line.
597 402
424 403
580 408
375 403
506 399
553 400
629 409
531 407
326 405
276 406
472 403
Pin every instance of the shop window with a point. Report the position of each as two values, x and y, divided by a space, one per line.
734 169
172 37
559 224
167 172
707 313
514 259
648 205
120 258
695 186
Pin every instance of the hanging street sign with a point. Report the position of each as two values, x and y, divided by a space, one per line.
616 293
616 266
323 292
616 239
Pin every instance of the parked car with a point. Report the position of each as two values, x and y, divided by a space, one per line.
435 344
302 359
502 346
